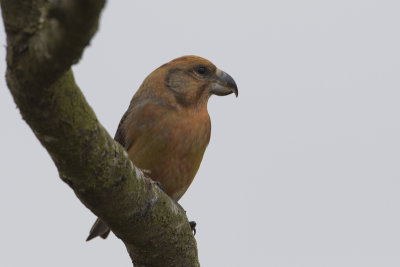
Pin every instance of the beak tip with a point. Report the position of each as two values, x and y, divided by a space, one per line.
235 89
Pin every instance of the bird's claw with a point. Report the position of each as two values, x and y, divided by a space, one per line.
193 226
160 186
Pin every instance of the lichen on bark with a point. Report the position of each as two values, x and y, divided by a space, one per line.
44 38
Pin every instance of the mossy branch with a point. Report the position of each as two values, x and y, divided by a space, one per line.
44 38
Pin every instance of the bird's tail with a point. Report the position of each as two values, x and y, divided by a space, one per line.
99 228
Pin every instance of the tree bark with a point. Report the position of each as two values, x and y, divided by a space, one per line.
44 38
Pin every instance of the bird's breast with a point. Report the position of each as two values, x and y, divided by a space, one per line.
172 149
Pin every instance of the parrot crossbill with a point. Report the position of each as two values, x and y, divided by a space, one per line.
166 128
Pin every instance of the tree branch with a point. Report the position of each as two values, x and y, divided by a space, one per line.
43 40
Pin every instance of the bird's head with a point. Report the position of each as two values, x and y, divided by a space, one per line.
192 80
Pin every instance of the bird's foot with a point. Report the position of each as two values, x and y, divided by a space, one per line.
160 186
193 226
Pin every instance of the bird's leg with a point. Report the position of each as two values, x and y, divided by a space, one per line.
191 223
193 226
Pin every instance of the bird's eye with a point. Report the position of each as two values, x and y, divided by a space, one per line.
201 70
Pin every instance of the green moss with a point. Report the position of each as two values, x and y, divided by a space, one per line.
153 227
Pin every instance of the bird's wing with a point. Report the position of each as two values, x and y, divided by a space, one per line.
120 134
138 119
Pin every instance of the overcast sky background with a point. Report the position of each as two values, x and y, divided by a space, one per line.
302 169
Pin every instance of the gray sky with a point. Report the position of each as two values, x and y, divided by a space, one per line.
302 169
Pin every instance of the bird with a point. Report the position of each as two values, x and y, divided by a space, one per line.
167 128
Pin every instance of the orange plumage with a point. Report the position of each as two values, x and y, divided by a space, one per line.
166 128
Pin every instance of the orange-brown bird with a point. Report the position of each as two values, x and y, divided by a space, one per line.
166 128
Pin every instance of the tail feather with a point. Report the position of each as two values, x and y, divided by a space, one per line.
99 228
104 236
